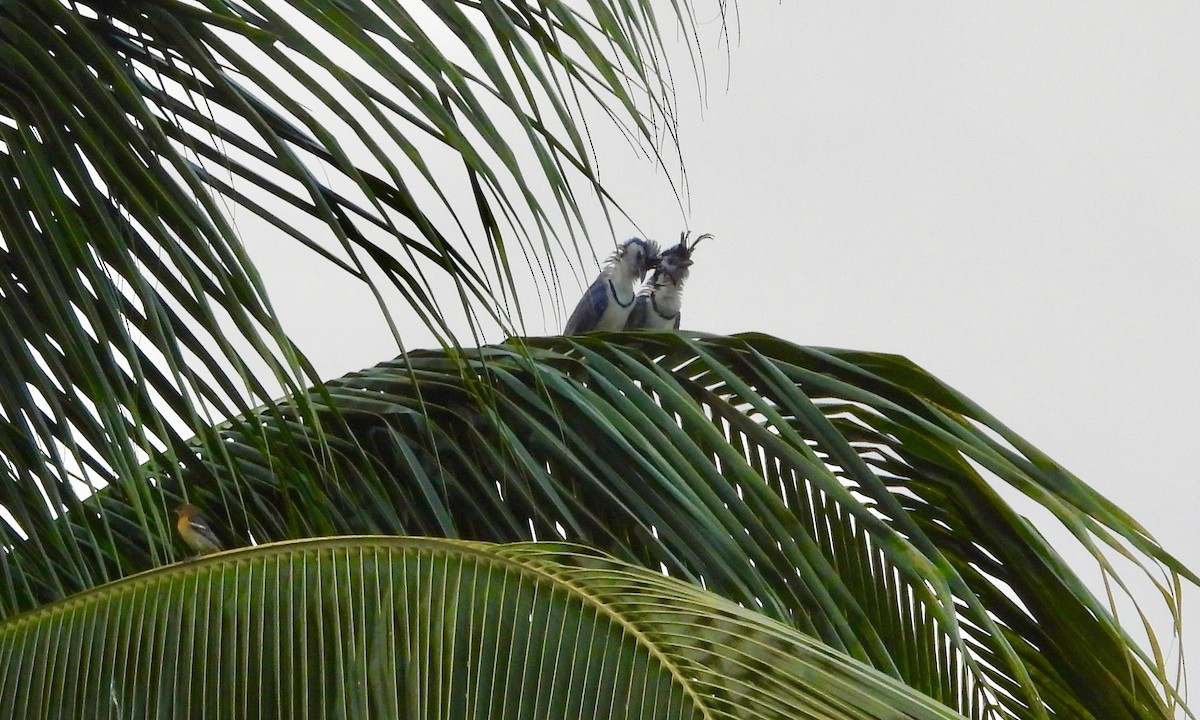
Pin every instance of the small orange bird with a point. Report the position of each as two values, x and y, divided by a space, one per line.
195 532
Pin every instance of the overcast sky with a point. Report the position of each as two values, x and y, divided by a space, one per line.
1006 193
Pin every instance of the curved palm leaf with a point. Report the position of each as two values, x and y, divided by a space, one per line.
841 493
387 627
134 133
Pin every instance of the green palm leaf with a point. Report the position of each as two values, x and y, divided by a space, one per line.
388 627
840 493
382 136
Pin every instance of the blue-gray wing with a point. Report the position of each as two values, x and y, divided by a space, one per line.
639 314
677 316
590 309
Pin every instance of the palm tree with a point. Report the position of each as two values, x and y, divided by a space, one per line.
616 525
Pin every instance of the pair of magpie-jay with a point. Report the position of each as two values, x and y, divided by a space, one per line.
610 302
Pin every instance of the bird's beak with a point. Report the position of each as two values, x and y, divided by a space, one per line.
688 263
651 263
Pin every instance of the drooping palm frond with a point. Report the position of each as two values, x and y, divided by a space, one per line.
844 494
146 144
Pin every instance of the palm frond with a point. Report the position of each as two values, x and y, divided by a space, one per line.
844 494
147 145
390 627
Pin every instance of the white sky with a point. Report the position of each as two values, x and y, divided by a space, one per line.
1006 193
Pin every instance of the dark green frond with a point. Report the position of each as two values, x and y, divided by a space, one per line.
840 493
148 148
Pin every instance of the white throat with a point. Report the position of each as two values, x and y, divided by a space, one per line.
622 280
668 298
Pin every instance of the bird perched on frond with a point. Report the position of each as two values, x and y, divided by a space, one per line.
607 302
659 299
195 532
